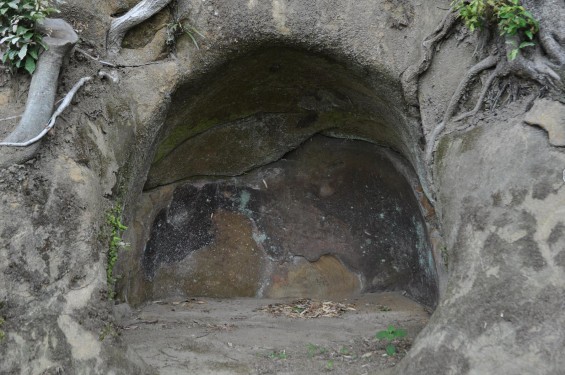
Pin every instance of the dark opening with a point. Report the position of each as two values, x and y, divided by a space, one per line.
282 174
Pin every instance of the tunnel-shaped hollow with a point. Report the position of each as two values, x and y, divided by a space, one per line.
282 174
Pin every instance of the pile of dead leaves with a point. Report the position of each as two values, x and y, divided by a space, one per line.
308 309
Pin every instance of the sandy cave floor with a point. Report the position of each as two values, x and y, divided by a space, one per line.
234 336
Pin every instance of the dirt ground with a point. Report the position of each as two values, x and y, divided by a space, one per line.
236 336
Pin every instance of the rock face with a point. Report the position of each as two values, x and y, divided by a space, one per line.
549 115
304 67
332 218
508 211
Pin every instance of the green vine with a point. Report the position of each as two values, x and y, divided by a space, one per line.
389 335
511 18
2 333
21 42
177 28
113 219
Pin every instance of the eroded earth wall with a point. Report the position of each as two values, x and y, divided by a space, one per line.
498 184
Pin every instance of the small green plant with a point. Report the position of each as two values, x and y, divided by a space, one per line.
344 351
314 350
390 334
177 28
21 42
2 334
113 219
330 365
278 355
445 256
511 18
108 330
383 308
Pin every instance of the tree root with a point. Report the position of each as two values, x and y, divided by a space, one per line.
10 118
552 47
139 13
111 65
41 98
537 68
483 65
543 67
66 102
486 87
411 76
97 59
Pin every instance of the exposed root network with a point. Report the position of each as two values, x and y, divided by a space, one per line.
544 66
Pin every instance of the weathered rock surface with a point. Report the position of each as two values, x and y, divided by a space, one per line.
499 185
285 229
233 336
508 212
549 115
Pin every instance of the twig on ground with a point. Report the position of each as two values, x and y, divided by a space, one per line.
10 118
111 65
97 59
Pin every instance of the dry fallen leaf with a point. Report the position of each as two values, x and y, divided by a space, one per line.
308 309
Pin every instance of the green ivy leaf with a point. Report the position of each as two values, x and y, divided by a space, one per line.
526 44
513 54
21 30
23 52
400 332
382 335
30 65
33 52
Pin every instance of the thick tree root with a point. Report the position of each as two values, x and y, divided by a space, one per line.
486 87
552 48
139 13
66 102
411 76
41 98
483 65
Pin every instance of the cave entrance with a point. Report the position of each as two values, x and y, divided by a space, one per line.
282 174
278 176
